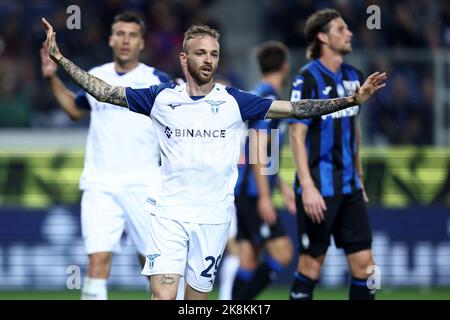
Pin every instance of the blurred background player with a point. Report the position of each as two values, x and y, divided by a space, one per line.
230 263
329 182
121 153
258 225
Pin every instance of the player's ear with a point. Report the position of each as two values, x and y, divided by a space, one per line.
322 37
286 67
142 44
183 58
110 41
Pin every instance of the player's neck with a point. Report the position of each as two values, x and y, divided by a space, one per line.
124 67
195 89
331 61
275 80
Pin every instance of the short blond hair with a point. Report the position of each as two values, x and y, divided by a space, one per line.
196 31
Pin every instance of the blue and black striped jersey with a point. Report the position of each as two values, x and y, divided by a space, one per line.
246 183
331 139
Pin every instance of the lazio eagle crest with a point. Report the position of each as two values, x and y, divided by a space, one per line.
214 105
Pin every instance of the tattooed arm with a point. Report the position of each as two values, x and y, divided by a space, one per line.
99 89
310 108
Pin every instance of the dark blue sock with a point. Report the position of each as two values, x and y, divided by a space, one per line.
264 274
360 291
302 288
241 280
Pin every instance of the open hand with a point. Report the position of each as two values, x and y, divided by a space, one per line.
373 83
50 42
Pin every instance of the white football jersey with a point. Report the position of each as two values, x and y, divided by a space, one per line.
121 149
200 146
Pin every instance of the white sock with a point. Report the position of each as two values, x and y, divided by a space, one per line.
230 265
94 289
181 289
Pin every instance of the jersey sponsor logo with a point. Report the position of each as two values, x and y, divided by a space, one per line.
349 112
340 90
174 105
296 95
151 259
168 132
350 86
195 133
327 90
214 105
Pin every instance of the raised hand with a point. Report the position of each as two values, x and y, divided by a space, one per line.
48 67
98 88
50 42
373 83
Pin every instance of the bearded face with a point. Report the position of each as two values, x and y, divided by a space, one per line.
339 37
202 59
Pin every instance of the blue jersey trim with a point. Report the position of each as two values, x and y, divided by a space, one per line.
141 100
162 76
251 106
82 101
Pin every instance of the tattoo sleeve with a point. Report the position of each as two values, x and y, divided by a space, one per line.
93 85
310 108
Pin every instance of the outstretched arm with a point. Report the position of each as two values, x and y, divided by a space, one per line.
99 89
310 108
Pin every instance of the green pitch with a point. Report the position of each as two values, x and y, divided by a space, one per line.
275 293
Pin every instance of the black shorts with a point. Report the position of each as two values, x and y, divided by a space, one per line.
346 219
250 225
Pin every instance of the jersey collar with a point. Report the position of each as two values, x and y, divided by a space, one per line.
324 69
184 89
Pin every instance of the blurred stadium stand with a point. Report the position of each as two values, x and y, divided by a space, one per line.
406 127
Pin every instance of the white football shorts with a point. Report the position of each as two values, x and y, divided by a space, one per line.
105 216
189 249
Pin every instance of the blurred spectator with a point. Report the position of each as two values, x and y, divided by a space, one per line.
420 24
15 105
399 119
24 101
402 112
444 20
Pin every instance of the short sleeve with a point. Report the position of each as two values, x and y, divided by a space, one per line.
82 101
142 100
301 89
162 76
251 106
260 124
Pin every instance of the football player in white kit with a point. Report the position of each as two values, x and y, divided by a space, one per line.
198 127
121 152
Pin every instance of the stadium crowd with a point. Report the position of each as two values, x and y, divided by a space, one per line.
403 114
